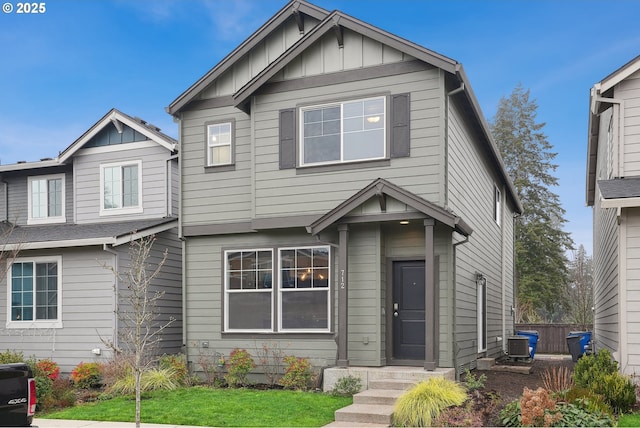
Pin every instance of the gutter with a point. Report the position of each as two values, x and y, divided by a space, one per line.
116 296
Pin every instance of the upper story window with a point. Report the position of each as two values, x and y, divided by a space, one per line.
46 199
35 292
121 188
219 140
343 132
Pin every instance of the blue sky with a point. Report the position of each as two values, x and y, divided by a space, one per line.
62 70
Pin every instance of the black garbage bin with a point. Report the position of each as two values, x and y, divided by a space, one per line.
575 349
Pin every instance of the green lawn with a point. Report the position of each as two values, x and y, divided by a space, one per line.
632 420
215 407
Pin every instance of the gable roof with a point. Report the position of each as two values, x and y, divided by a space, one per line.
297 8
596 100
335 21
79 235
381 188
118 118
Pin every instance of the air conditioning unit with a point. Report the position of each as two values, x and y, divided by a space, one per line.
518 347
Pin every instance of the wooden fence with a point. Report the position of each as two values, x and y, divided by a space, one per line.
552 338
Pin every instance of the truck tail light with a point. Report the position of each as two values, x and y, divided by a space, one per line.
32 397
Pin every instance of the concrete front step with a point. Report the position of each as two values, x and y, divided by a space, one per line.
378 396
343 424
397 384
365 413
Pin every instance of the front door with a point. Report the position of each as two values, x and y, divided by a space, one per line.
408 310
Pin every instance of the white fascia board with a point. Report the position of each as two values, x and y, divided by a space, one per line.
125 239
29 165
620 203
59 244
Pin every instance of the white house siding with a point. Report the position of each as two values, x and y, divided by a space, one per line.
471 180
631 364
87 311
629 91
154 180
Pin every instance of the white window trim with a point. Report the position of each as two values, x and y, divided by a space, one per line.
46 220
230 144
227 291
35 324
124 210
341 105
280 290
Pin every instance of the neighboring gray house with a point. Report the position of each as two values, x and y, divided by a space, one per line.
73 216
613 190
342 200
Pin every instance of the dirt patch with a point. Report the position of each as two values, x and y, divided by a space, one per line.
508 385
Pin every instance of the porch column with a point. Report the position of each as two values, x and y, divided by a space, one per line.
430 330
343 296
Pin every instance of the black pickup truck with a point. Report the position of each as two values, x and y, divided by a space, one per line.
17 395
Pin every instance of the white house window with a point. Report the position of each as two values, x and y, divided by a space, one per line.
302 287
219 138
497 205
46 199
343 132
248 290
35 293
481 284
121 188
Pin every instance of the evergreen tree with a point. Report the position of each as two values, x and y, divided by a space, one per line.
541 265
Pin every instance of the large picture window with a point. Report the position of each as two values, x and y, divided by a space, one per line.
301 282
121 188
35 292
343 132
46 199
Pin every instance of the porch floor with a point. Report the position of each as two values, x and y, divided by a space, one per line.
367 374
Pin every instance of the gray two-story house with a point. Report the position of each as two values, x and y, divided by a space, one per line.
342 200
72 219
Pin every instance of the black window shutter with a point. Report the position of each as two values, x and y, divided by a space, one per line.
400 143
287 138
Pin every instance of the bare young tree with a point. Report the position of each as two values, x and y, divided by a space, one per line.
139 331
580 289
10 246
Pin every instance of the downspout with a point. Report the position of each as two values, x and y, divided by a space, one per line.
169 199
453 297
116 297
183 243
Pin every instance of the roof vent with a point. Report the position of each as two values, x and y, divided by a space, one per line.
45 159
22 161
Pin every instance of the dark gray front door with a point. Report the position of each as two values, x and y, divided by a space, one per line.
408 310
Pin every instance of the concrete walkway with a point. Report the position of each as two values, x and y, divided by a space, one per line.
60 423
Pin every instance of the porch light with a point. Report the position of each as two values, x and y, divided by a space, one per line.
404 221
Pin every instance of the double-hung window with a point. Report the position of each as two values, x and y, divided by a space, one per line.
35 292
46 199
290 294
219 140
343 132
121 188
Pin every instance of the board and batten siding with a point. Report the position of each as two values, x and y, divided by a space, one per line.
629 91
605 256
87 311
154 180
204 301
471 181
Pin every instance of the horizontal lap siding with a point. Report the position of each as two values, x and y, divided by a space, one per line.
87 312
154 182
205 300
471 195
632 304
276 191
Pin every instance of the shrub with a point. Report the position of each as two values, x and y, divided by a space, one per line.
151 380
590 370
238 365
44 392
426 400
59 393
511 415
472 382
577 414
538 408
48 369
558 379
115 369
591 399
619 392
86 375
347 385
8 357
178 364
298 373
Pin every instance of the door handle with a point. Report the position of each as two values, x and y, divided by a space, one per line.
395 306
395 314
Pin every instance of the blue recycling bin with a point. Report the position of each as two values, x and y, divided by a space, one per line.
533 340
